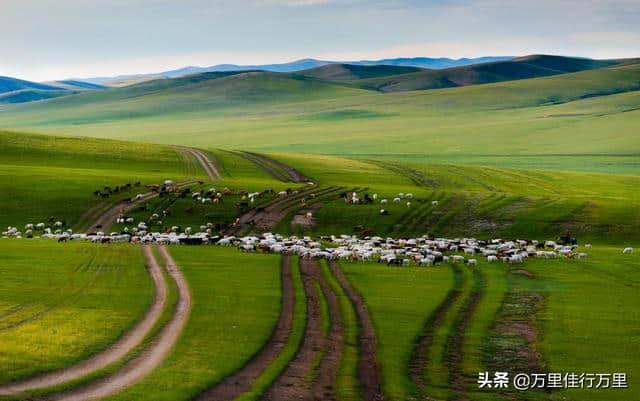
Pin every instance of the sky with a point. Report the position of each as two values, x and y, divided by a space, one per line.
55 39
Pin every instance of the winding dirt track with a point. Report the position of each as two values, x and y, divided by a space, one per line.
116 351
151 357
456 339
305 378
266 217
108 218
368 368
241 381
207 164
267 163
419 357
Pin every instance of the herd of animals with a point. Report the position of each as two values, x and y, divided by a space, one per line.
421 251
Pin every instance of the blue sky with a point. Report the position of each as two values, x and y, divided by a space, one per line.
54 39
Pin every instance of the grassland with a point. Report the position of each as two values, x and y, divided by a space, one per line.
400 301
531 158
47 176
555 122
60 304
217 339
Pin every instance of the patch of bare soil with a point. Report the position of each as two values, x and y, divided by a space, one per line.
513 343
301 219
242 380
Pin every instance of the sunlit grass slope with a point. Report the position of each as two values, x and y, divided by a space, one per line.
62 303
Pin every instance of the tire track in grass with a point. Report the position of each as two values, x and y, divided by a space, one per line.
455 340
241 381
324 387
107 219
205 162
148 359
512 342
419 359
368 368
268 216
319 356
116 351
293 174
419 221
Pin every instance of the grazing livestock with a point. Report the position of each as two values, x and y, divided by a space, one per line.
627 251
434 203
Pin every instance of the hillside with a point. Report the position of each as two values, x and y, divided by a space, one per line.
73 85
535 66
13 90
215 92
584 120
350 72
30 95
294 66
8 84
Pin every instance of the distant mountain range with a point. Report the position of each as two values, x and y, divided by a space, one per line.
255 82
13 90
299 65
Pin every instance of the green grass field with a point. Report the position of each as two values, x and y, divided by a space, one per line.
56 177
576 116
528 158
217 339
60 304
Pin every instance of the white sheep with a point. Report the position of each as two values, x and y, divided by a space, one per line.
383 201
309 215
434 203
396 200
408 204
627 251
472 262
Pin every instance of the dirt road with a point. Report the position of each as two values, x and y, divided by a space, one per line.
148 359
116 351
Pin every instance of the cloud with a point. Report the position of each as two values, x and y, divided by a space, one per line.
291 3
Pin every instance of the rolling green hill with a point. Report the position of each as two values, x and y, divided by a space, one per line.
520 68
349 72
74 85
561 121
8 84
13 90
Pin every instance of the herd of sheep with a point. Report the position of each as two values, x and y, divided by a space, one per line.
421 251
